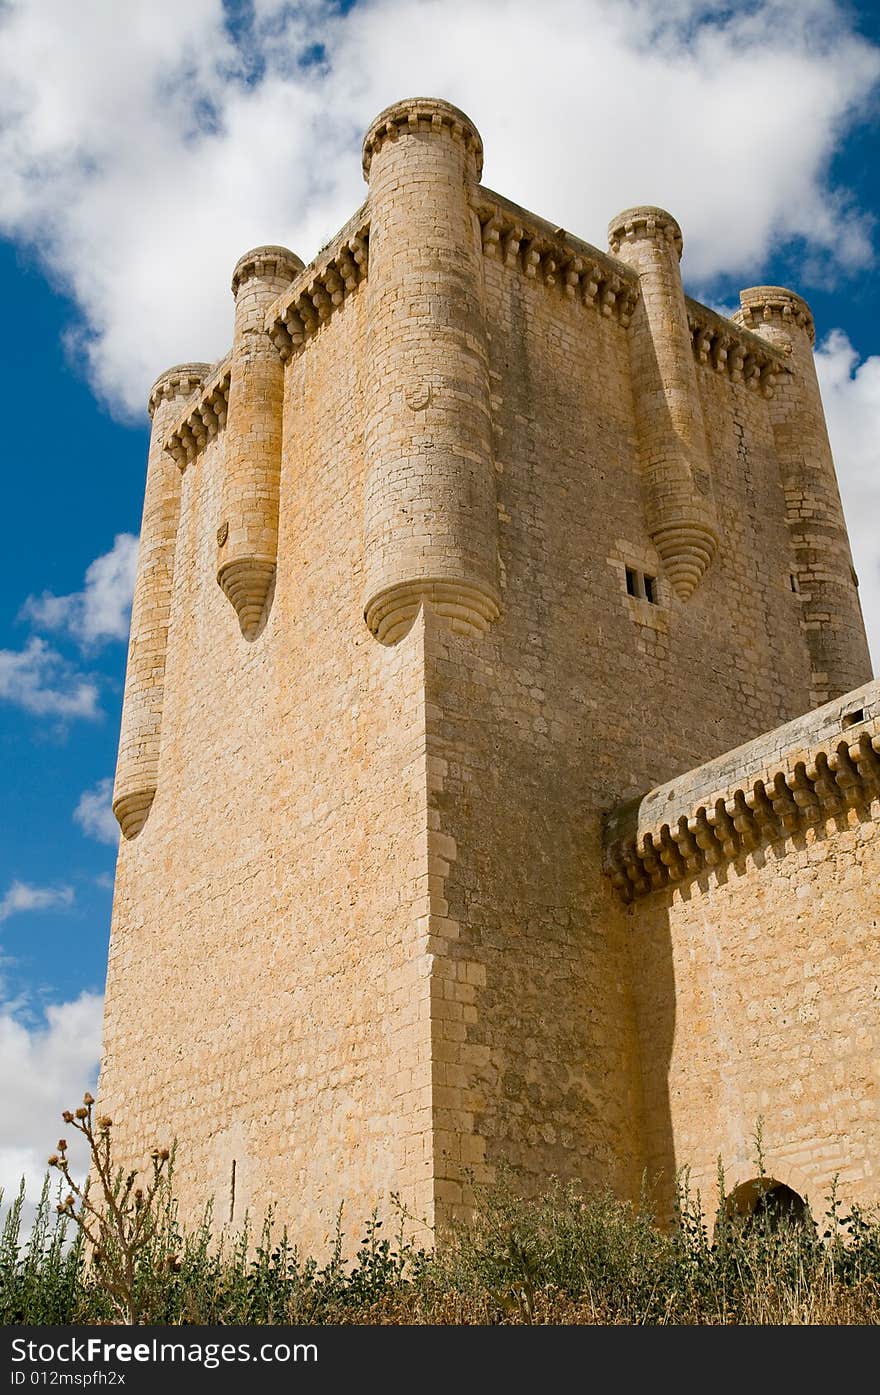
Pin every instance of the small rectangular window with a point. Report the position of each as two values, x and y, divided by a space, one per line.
632 582
650 589
795 584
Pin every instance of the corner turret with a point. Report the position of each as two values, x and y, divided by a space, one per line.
680 506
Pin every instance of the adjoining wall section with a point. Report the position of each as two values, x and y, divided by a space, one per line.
754 931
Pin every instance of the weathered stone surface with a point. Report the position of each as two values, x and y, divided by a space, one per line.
372 937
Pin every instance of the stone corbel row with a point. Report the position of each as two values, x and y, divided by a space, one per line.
583 274
203 420
791 309
319 291
833 780
724 346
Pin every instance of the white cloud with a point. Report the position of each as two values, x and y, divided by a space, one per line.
851 394
142 156
101 611
94 814
39 680
44 1069
21 896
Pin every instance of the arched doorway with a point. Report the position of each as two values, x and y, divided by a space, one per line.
769 1201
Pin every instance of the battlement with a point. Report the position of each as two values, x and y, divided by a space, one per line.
775 305
428 114
732 349
183 380
204 415
813 768
337 271
554 258
645 221
265 261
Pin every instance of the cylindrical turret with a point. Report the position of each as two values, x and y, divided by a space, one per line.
138 760
678 484
430 514
248 533
824 571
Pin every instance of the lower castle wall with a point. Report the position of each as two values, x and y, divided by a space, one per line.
758 997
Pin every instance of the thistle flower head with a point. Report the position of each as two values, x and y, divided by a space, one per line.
88 1099
67 1116
82 1113
62 1145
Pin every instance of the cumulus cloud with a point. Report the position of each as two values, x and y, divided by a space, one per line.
94 814
145 147
851 394
21 896
99 612
40 681
44 1068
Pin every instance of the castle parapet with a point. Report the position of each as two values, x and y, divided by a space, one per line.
555 258
247 537
137 765
430 524
822 561
322 286
678 482
809 770
204 416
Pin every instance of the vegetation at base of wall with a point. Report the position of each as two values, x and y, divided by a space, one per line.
115 1251
567 1257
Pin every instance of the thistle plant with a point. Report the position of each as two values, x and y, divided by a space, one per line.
120 1227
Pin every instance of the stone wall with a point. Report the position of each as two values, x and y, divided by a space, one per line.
755 966
363 936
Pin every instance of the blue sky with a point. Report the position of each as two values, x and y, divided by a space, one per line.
141 157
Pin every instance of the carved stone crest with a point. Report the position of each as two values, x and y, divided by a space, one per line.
418 397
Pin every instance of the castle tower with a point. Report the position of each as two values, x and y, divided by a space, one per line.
247 538
460 852
138 760
680 507
430 523
823 570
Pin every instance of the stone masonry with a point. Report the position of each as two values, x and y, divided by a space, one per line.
478 534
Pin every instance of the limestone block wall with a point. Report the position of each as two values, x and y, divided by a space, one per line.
369 938
267 996
573 696
823 566
753 937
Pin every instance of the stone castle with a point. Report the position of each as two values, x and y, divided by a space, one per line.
470 812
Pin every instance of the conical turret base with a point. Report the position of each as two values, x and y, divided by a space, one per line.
686 551
131 810
246 582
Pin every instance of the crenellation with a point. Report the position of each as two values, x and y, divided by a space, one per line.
322 287
554 257
205 416
732 349
766 791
